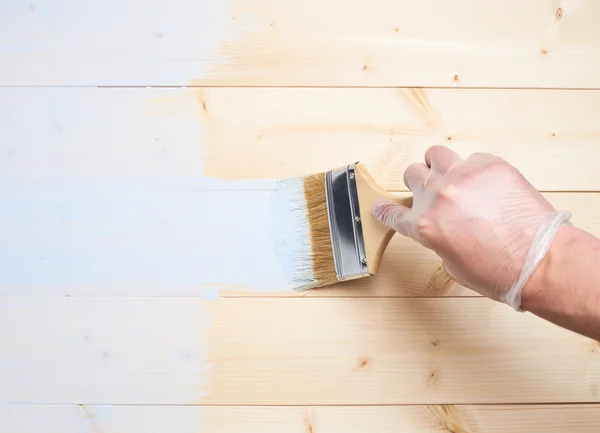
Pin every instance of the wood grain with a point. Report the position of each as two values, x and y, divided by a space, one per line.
288 352
463 43
222 138
138 288
551 136
583 418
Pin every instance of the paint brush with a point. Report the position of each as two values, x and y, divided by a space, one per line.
329 232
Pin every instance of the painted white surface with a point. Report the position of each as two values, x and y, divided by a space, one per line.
132 237
110 42
94 350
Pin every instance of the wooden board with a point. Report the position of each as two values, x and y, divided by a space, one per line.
288 352
582 418
537 43
219 138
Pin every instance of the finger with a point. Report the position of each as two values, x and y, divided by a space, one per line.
482 158
393 216
441 159
415 175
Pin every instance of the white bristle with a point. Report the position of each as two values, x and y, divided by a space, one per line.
291 232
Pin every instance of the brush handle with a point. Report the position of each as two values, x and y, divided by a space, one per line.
376 235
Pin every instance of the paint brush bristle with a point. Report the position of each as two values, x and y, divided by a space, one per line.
302 229
320 235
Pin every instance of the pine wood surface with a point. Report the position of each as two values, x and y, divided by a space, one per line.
140 145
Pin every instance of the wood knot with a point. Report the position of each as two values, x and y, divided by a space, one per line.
456 78
365 68
544 51
363 364
559 14
435 343
434 377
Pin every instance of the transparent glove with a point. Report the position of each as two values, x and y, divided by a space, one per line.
489 225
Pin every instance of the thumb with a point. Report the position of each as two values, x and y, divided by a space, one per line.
394 216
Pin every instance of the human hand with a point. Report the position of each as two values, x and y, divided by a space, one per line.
490 226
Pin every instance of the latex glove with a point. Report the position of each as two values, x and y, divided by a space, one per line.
490 226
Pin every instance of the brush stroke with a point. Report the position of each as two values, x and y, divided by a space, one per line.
136 233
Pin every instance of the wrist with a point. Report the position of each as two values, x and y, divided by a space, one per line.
538 291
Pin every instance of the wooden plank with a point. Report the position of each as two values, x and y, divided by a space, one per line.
257 133
288 352
583 418
147 239
220 138
539 43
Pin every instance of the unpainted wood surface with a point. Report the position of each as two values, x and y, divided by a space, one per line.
582 418
465 43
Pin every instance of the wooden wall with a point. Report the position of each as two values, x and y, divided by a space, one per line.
139 146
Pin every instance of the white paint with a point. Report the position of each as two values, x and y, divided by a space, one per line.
113 42
102 350
55 133
126 238
291 233
101 419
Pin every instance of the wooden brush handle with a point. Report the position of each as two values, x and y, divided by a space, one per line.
376 235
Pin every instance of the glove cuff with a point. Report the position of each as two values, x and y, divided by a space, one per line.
537 251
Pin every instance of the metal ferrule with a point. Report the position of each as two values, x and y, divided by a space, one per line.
345 224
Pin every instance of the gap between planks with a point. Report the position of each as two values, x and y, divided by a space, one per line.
143 86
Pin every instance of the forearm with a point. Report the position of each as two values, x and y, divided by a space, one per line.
565 289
